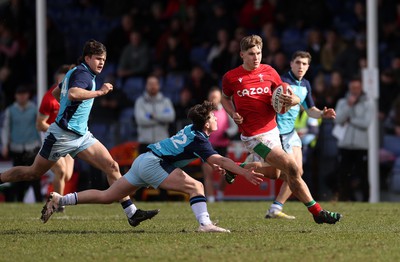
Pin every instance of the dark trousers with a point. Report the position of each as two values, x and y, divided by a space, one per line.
353 174
18 190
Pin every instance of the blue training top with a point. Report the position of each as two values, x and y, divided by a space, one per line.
184 147
74 115
302 89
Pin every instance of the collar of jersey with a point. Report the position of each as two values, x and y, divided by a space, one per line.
88 68
294 77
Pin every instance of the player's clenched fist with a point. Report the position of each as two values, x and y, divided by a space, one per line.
106 88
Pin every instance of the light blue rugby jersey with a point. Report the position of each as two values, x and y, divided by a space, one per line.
302 89
74 115
184 147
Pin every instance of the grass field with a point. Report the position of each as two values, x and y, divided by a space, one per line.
368 232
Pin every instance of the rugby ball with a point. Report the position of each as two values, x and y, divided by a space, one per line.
279 107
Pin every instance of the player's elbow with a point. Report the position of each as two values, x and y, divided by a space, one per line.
40 127
72 96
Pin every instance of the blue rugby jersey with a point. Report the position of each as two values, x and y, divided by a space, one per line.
302 89
184 147
74 115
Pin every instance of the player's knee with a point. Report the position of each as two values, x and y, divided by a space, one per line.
113 167
293 170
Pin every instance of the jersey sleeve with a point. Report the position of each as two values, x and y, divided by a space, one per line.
80 79
227 88
275 79
202 148
308 101
45 107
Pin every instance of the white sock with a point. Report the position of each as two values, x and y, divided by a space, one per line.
69 199
201 213
275 207
130 210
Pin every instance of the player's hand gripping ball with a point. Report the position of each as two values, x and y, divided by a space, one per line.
277 102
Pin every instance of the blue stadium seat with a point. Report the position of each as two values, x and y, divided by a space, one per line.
198 55
172 86
133 87
127 130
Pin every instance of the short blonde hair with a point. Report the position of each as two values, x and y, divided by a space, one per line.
251 41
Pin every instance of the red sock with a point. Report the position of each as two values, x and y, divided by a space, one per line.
315 209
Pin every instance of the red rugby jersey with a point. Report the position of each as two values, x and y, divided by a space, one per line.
252 93
49 106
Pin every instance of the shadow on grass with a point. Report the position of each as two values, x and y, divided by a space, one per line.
94 232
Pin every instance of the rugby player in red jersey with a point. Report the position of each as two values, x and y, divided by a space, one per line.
247 92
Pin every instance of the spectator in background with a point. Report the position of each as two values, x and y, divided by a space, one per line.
118 38
186 101
226 60
9 62
199 83
268 31
217 18
155 24
17 15
319 90
314 47
280 63
181 41
353 112
272 47
347 62
254 13
56 50
174 58
335 89
153 114
219 46
135 57
21 141
392 121
330 49
395 66
220 140
48 111
388 92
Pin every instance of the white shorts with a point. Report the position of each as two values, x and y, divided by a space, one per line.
148 170
260 145
59 142
289 141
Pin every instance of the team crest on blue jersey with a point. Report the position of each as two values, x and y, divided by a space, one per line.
56 155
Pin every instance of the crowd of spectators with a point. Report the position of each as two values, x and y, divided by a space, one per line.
190 44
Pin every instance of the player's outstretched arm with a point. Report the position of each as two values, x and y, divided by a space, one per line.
227 163
324 113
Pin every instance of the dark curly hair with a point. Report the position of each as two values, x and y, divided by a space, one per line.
200 113
92 47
